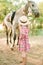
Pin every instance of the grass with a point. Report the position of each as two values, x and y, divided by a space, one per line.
37 32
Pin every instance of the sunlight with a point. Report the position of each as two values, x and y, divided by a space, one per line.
1 27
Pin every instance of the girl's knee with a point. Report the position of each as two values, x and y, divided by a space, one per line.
24 54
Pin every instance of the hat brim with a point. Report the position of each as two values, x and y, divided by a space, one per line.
23 23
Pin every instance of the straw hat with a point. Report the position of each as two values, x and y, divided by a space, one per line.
23 20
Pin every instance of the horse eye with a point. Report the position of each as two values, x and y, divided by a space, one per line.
32 5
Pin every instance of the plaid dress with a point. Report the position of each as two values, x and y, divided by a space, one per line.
23 39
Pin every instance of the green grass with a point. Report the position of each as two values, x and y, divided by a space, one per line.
37 32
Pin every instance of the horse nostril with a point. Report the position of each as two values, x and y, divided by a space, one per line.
37 15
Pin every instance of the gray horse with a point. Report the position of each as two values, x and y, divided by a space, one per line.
20 12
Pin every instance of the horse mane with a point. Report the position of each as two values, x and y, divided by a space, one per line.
12 17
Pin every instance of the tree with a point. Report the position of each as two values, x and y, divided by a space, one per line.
7 5
41 8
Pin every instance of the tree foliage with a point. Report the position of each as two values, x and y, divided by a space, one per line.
41 8
6 6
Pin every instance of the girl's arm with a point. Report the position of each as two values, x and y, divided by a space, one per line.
29 25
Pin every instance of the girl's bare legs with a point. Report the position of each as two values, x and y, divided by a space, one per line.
24 58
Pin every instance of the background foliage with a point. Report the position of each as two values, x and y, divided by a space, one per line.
10 5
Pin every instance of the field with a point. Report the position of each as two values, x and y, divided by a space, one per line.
34 57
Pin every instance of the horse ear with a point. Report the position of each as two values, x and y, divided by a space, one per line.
28 1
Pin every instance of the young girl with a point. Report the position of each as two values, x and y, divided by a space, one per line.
23 38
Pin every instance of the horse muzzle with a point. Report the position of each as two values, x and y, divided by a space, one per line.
37 14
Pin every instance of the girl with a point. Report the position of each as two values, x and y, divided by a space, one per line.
23 38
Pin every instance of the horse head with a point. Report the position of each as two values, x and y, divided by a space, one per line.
34 8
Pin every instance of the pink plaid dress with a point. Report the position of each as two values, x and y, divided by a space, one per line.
23 39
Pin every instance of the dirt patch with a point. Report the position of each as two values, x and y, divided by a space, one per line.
35 55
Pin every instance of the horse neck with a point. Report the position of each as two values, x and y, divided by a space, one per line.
23 10
20 11
26 8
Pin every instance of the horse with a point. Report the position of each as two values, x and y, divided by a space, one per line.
20 12
24 11
8 25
